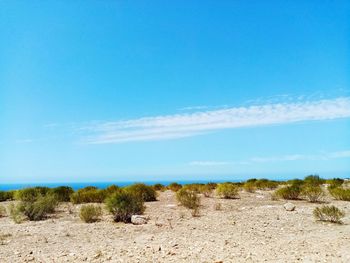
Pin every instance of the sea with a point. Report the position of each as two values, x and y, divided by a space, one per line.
100 185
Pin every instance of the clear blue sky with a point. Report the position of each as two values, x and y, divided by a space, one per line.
173 90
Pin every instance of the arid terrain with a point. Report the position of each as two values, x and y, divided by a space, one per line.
250 229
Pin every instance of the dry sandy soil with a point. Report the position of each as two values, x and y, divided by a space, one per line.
250 229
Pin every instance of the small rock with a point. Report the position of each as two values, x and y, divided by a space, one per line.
289 206
139 219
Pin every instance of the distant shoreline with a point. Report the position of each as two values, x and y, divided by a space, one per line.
79 185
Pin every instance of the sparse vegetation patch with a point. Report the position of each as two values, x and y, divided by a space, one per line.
328 213
90 213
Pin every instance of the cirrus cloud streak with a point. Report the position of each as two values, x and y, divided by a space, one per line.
185 125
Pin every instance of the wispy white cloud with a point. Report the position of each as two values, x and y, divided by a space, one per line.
191 124
208 163
324 156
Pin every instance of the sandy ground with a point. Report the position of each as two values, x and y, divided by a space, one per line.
250 229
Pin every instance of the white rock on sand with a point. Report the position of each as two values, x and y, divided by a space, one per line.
139 219
289 206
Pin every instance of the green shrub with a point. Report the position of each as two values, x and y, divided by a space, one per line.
252 180
159 187
40 208
6 195
174 187
249 187
88 194
296 182
28 194
334 183
340 193
212 185
188 198
62 193
265 184
206 190
123 205
142 191
227 191
2 211
193 187
313 193
15 213
112 189
291 192
328 213
314 180
90 213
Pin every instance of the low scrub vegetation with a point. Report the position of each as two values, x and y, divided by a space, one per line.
40 208
31 194
112 189
159 187
143 192
291 192
6 195
206 190
62 193
340 193
328 213
265 184
123 205
193 187
174 187
249 187
15 213
227 191
334 183
90 213
314 180
313 193
88 194
187 198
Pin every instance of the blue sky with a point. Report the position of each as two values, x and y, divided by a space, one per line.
178 90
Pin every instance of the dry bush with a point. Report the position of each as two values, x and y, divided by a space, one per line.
88 194
340 193
174 187
159 187
112 189
62 193
40 208
206 190
265 184
142 191
227 191
15 213
6 195
90 213
313 193
188 199
123 205
249 187
291 192
328 213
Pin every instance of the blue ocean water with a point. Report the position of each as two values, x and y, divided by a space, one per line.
101 185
